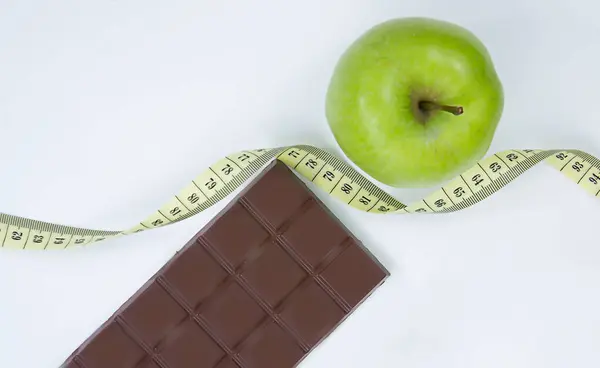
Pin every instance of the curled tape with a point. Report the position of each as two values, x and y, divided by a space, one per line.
326 172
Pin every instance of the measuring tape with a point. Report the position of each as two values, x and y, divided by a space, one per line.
326 172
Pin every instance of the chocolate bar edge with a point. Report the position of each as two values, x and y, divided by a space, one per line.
193 240
162 268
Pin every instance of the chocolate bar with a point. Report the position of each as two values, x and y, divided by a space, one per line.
261 285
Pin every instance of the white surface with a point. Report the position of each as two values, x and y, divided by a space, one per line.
108 108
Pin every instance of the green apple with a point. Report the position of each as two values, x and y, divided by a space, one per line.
414 101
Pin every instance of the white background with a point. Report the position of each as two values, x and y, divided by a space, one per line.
108 108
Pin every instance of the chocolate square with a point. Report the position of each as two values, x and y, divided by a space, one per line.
314 234
274 274
224 234
261 285
311 312
111 348
190 347
278 197
233 314
194 274
271 346
148 325
352 275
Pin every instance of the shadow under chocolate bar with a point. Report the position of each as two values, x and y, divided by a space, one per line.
261 285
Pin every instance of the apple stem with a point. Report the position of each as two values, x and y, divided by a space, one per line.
432 106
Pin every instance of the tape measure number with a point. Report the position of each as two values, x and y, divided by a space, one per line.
326 172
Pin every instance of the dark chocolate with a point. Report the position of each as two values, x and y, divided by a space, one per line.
260 286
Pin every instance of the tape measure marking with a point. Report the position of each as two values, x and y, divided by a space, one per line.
325 171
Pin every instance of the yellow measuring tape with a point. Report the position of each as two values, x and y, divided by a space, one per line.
328 173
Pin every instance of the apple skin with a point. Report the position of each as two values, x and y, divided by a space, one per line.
373 94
